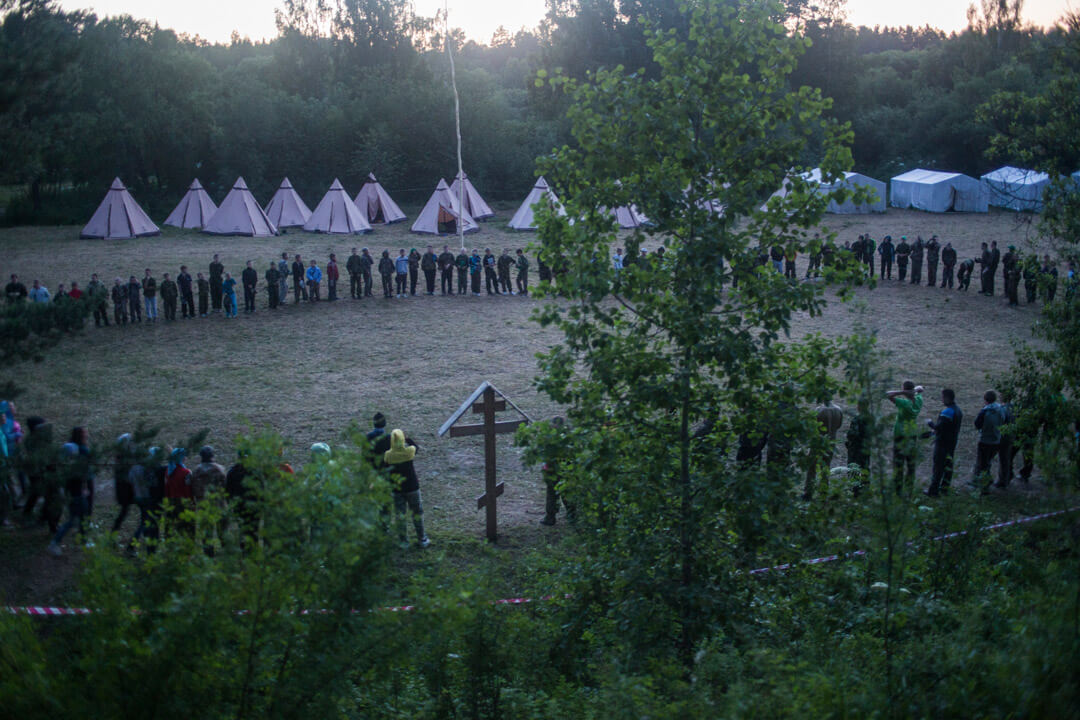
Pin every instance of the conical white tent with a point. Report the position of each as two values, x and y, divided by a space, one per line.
474 204
119 217
337 214
524 218
287 208
195 210
441 214
629 217
1015 188
376 203
239 214
938 192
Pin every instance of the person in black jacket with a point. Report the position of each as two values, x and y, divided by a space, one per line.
405 484
352 266
414 270
298 280
948 262
134 293
249 278
386 272
187 298
933 252
491 276
887 251
446 271
995 260
366 263
217 273
946 433
272 278
903 254
169 293
917 249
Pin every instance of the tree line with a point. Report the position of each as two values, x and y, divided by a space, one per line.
354 86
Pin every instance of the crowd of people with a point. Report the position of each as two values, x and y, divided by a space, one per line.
135 299
38 478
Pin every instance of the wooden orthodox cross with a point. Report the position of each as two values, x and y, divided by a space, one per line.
486 401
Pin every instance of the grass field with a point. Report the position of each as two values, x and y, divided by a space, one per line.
309 370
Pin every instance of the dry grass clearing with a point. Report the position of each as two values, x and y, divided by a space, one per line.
309 370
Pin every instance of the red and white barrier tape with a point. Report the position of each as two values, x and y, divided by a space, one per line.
40 611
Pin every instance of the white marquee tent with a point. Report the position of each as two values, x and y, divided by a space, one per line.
195 210
440 214
376 203
287 208
337 214
938 192
1015 188
524 218
475 206
239 214
119 217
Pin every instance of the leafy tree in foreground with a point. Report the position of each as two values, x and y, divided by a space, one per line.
673 366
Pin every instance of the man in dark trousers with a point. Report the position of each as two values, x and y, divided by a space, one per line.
887 251
298 280
332 275
995 260
429 263
414 270
988 423
169 293
903 253
1010 257
185 283
119 301
1011 263
96 294
149 285
15 291
476 264
933 252
284 273
491 273
352 266
946 432
203 286
272 278
249 279
522 264
948 262
504 263
963 275
461 262
134 293
386 272
917 250
366 264
984 268
217 270
868 249
446 271
1031 277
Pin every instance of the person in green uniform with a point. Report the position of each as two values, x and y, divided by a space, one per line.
933 254
429 263
887 251
948 262
461 262
203 287
169 293
1031 277
522 264
503 265
414 270
903 253
908 402
95 295
272 278
446 271
917 250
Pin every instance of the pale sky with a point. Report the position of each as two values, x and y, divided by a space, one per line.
215 20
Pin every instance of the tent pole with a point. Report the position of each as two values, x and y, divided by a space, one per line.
457 125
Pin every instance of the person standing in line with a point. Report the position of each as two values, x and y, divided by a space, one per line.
984 263
1012 276
963 275
366 263
1048 278
314 277
401 266
203 287
887 251
933 253
446 271
97 295
917 250
249 279
187 297
149 288
1010 258
134 291
386 272
988 422
207 475
476 264
995 260
15 291
406 485
503 265
120 302
332 275
948 262
414 270
228 295
38 293
272 284
461 262
178 493
169 293
868 254
298 273
429 263
283 278
946 432
491 276
352 266
1031 277
217 271
75 293
903 255
522 264
61 293
908 402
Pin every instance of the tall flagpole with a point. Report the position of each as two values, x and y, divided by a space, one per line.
457 123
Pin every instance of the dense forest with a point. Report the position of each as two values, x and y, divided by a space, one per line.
356 86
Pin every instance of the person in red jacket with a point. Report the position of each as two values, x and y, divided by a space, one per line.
178 492
332 276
